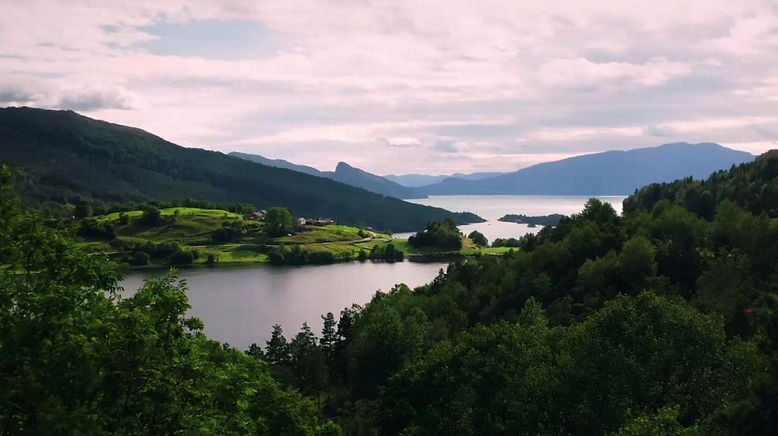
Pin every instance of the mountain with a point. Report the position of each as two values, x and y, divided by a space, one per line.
278 163
349 175
419 180
343 173
63 154
608 173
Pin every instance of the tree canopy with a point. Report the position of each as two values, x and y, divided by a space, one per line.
77 357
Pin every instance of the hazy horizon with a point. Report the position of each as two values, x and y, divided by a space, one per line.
404 87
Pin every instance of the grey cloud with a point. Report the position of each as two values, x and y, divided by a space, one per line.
445 147
16 96
95 99
401 142
659 131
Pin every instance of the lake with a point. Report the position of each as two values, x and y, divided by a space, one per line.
492 207
241 305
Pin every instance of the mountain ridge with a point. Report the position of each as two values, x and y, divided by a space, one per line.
615 172
343 173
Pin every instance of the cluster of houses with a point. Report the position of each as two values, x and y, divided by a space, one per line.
306 224
301 224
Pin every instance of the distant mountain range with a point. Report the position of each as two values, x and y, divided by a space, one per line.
343 173
608 173
418 180
63 155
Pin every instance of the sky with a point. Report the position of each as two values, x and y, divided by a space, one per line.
396 87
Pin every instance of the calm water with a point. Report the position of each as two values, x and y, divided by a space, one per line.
240 305
492 207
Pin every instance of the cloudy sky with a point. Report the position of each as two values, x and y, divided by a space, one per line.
399 87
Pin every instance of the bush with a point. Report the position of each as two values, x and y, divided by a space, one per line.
182 258
478 238
140 258
152 217
276 257
321 257
91 228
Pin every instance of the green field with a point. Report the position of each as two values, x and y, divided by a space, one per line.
180 211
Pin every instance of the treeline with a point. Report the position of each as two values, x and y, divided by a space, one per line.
661 321
78 359
295 255
753 186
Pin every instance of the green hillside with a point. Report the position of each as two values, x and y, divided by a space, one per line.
64 155
183 236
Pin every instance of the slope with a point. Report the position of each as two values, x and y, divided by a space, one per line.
64 154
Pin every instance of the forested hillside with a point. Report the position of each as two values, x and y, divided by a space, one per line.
753 186
65 155
661 321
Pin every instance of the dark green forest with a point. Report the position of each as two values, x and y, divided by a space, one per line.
663 320
66 158
660 321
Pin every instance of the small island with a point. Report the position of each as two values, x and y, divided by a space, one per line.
533 221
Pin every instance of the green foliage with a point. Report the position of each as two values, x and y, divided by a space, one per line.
279 221
508 242
478 238
444 235
78 359
753 186
636 356
385 252
151 217
182 257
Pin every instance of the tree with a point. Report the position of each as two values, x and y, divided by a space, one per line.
329 335
277 349
255 351
307 362
279 221
478 238
151 217
83 209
